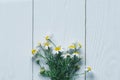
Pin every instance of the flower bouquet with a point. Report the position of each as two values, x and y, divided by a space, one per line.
62 65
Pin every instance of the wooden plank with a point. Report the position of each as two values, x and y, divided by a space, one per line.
62 18
103 44
15 40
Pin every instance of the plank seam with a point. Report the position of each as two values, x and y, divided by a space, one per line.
32 32
85 32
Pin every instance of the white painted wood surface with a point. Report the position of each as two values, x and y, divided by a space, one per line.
15 40
103 34
64 19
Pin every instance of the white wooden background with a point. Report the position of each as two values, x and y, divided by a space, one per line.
15 40
103 39
65 20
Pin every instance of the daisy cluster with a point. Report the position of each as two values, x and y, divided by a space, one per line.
63 64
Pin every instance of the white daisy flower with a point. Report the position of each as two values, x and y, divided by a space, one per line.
47 37
76 54
72 46
39 44
88 69
34 51
66 55
46 45
58 49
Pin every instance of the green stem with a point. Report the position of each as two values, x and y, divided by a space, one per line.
80 74
52 42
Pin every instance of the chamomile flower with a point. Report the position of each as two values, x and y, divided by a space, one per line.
58 49
46 45
72 46
34 51
66 55
39 43
75 54
47 37
88 69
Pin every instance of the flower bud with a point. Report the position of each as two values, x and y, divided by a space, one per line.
34 51
42 70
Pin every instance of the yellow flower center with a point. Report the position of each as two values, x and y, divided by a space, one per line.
89 68
76 53
34 51
46 44
47 37
58 48
72 46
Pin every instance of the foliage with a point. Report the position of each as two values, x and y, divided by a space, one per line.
62 64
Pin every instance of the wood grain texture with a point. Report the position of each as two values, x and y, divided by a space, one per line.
15 40
62 18
103 44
